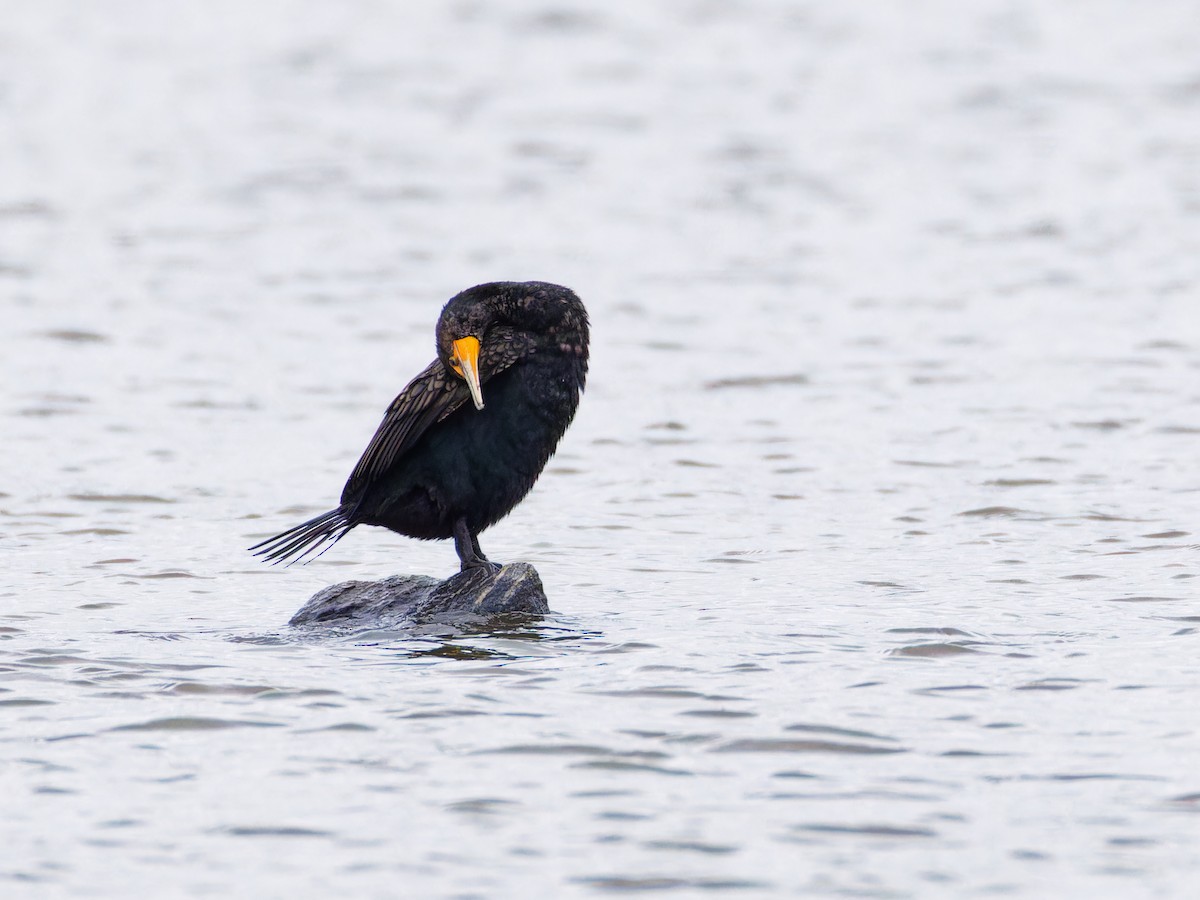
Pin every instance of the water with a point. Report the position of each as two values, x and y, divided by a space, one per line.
873 546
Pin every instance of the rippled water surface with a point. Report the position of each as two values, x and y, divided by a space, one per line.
872 550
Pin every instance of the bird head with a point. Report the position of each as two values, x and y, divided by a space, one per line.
461 332
540 312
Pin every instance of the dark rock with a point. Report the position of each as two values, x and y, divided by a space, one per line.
468 598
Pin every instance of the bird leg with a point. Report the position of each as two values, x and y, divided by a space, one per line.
469 552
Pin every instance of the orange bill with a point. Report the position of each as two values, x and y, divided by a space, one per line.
466 364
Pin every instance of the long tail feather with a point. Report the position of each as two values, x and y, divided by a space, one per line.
305 539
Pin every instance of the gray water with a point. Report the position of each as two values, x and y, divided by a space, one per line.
872 549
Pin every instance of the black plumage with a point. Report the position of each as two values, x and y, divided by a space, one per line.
442 466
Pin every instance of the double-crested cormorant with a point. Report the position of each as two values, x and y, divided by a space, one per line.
443 466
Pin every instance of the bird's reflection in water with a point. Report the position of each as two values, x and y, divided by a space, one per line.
502 638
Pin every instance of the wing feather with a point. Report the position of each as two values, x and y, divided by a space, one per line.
427 398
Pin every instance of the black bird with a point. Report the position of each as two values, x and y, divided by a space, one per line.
442 466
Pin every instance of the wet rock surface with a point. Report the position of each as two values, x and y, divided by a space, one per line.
468 598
